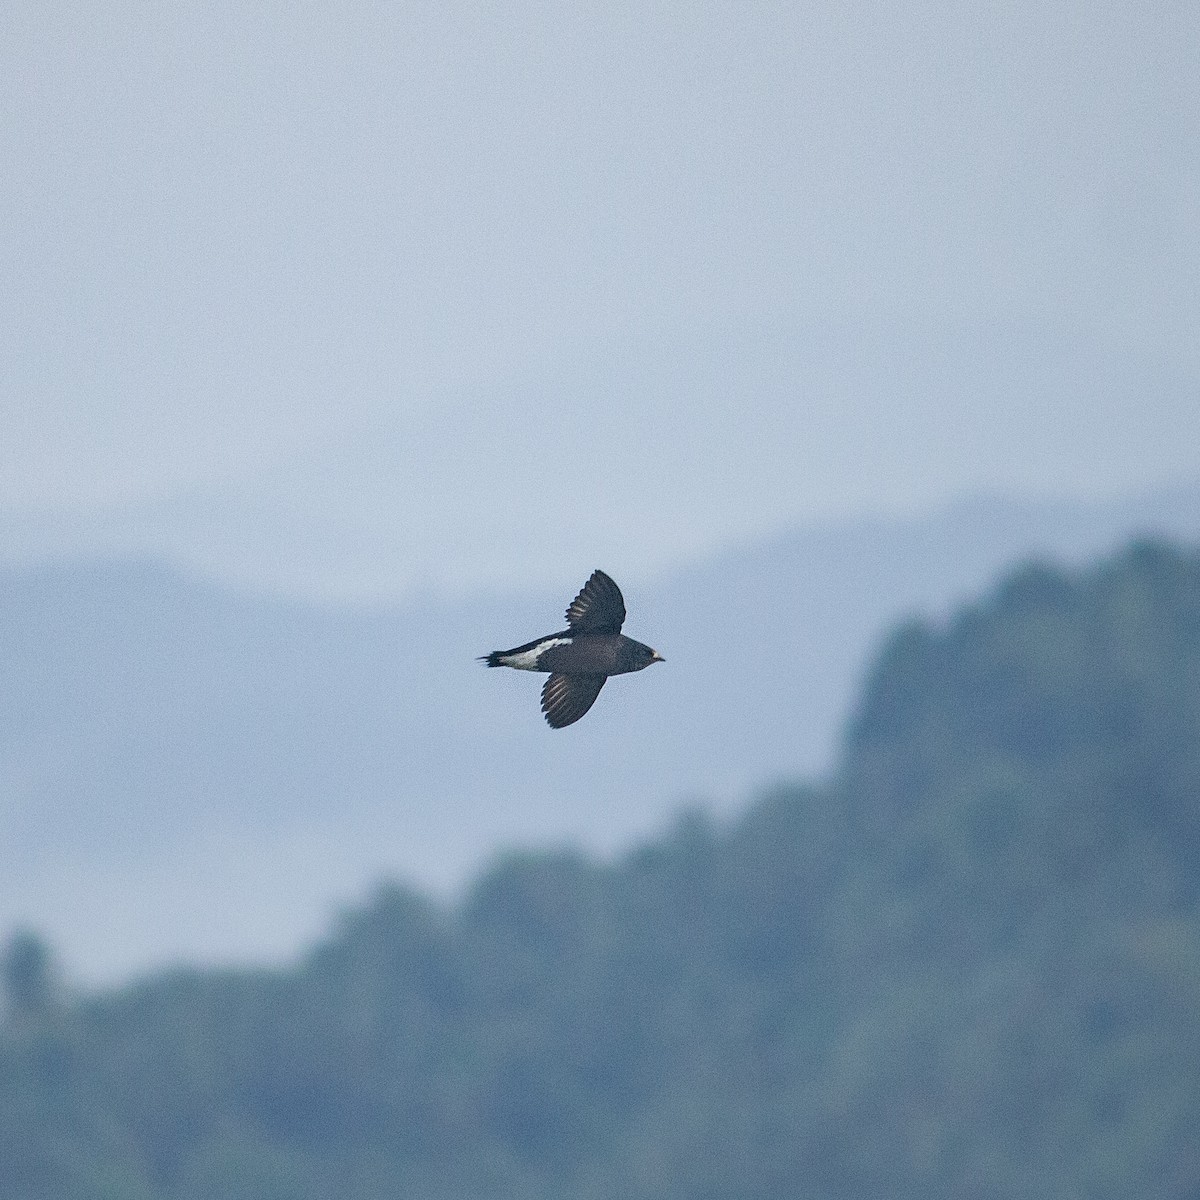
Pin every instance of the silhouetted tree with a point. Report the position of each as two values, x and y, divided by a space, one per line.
27 971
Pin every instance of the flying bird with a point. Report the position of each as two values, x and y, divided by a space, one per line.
583 655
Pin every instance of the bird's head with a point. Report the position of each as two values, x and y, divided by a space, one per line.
643 656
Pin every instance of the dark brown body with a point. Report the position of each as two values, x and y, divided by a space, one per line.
587 654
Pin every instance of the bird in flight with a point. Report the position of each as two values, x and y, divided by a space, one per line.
583 655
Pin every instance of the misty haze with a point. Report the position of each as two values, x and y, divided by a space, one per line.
340 343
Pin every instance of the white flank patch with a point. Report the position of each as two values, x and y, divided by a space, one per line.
527 659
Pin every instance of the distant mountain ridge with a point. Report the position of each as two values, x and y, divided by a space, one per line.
234 763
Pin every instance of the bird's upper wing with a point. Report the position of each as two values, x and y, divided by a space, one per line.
599 607
565 698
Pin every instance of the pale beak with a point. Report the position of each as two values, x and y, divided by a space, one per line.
656 657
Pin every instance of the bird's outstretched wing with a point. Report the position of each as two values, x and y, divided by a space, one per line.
599 607
565 698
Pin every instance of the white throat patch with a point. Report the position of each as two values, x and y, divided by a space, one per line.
527 660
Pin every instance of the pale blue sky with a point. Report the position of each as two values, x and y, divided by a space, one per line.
355 296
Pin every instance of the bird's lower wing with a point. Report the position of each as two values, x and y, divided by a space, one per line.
565 698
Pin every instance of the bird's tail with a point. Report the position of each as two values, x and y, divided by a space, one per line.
493 659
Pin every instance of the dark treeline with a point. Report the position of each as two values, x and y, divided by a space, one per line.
968 967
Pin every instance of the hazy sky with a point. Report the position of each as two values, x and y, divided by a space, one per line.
360 295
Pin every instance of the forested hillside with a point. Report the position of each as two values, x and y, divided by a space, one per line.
968 967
